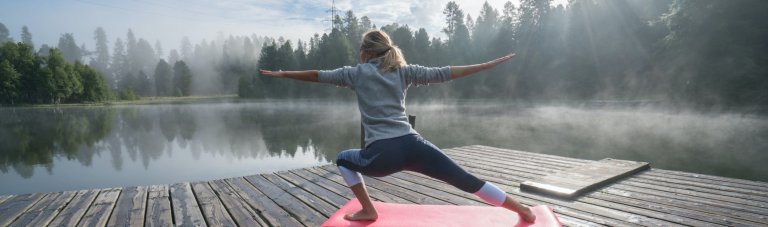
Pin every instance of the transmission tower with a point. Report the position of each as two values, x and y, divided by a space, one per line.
332 10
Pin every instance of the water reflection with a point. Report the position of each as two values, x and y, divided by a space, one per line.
54 149
31 137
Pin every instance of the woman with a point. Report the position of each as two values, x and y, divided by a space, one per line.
391 145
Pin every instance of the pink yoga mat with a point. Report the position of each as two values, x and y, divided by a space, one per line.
393 214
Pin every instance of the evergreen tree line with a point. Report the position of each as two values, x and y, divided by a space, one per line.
698 52
132 67
26 77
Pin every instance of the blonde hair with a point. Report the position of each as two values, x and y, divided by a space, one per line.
379 43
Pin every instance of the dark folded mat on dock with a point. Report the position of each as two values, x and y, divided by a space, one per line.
578 180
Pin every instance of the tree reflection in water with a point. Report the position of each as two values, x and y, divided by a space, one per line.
32 137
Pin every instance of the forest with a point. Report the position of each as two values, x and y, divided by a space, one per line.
55 75
702 53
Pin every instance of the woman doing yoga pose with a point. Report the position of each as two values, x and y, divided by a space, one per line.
391 145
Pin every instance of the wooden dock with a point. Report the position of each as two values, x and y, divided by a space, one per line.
307 197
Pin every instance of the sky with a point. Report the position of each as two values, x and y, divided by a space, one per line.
167 21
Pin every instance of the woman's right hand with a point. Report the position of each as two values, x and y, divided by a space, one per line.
500 60
464 70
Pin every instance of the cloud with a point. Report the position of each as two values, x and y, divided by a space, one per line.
170 20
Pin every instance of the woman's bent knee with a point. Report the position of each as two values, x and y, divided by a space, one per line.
347 155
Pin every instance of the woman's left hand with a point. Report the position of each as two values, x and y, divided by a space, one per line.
272 73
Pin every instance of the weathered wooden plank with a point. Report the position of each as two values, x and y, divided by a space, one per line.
654 214
705 217
511 161
436 192
645 184
627 213
435 184
339 189
656 189
44 210
296 208
657 173
409 195
159 211
213 210
4 197
373 192
489 149
506 162
758 184
761 195
241 212
530 156
595 209
186 211
74 211
321 206
130 207
509 168
573 182
568 217
758 201
270 211
575 209
34 210
99 211
312 188
508 171
16 205
523 157
678 209
651 213
699 202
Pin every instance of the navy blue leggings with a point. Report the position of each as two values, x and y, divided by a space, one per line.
409 152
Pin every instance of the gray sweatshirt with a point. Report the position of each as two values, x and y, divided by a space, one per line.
381 95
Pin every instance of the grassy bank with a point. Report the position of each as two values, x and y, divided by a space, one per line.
141 101
164 100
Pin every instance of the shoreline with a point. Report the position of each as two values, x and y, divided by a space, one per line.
141 101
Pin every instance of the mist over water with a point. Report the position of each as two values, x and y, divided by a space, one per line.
725 144
55 149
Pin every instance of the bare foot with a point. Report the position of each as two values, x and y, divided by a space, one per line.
527 215
362 215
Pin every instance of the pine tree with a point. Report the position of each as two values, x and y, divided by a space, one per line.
69 49
10 81
94 87
101 62
163 79
26 37
182 78
457 32
66 82
4 34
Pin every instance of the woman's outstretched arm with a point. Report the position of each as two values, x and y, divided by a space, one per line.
308 75
465 70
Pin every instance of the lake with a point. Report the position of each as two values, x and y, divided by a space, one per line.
70 148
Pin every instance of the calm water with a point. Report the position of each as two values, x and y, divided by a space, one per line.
55 149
